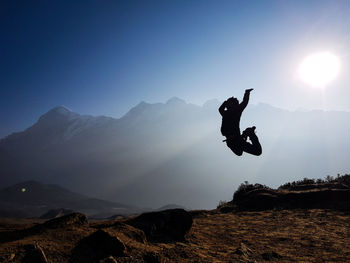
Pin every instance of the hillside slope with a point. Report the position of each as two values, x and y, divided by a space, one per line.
274 236
33 199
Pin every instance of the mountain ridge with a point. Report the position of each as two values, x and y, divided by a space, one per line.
163 153
66 112
32 199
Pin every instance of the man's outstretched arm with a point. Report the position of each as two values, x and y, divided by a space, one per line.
222 108
245 100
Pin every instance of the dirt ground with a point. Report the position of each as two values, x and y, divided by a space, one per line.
267 236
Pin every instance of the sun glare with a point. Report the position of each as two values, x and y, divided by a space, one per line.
318 69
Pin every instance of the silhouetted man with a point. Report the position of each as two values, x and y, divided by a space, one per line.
231 111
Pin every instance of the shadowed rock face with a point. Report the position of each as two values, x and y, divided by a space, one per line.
269 199
74 219
97 246
167 225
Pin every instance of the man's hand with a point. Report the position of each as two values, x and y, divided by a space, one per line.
248 90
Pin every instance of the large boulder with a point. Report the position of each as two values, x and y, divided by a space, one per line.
73 219
315 198
167 225
130 231
98 246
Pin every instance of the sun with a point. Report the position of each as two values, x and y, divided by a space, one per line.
319 69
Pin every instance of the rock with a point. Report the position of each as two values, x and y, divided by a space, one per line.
258 201
34 254
131 232
103 241
226 209
98 246
265 199
74 219
167 225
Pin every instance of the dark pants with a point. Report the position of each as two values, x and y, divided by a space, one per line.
238 145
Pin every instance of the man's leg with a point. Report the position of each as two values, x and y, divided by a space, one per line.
235 145
254 147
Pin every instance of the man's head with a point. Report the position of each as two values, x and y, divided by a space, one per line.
232 102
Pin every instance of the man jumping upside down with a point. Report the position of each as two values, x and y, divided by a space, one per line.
231 111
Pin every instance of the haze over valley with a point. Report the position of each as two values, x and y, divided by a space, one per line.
172 153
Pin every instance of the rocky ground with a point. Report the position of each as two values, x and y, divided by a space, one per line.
299 235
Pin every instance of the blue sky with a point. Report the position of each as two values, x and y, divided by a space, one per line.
103 57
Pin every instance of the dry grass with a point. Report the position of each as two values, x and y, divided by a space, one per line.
275 236
284 236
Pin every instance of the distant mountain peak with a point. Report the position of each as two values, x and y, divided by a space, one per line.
24 186
143 106
139 108
175 101
60 112
28 183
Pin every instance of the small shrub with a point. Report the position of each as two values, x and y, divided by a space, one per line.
247 187
343 179
329 178
319 181
221 203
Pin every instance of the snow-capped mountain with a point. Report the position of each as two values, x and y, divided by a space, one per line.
173 152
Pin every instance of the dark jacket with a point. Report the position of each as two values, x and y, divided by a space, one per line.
231 117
